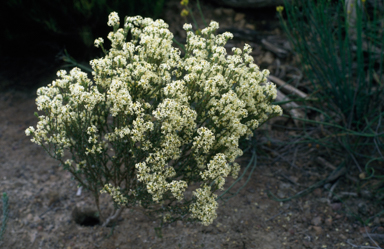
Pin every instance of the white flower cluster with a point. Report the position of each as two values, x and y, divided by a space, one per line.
156 117
115 193
205 206
113 19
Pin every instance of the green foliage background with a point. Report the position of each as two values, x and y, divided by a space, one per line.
343 57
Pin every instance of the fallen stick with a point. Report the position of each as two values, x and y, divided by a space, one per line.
327 164
286 87
282 53
291 107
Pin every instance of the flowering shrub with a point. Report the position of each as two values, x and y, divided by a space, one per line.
151 122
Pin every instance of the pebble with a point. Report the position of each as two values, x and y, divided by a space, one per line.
29 217
307 244
316 221
240 24
239 17
229 21
364 229
281 194
53 197
268 57
362 175
336 206
328 221
228 12
366 194
303 219
317 192
36 218
284 185
318 230
342 236
338 216
251 190
362 208
218 12
250 26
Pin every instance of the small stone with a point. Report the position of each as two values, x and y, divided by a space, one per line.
268 57
328 221
318 230
316 221
208 229
251 190
291 231
303 219
336 206
342 236
284 185
366 194
250 26
362 208
308 214
281 194
317 192
362 175
229 21
307 244
376 221
327 186
179 223
29 217
53 197
240 24
218 12
239 17
53 178
40 228
36 218
228 12
364 229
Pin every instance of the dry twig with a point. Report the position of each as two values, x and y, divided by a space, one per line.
286 87
291 107
327 164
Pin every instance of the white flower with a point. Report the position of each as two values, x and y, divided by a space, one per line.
29 131
187 27
98 42
113 19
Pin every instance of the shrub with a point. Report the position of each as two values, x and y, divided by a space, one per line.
151 124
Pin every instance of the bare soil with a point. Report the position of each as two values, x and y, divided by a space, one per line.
44 201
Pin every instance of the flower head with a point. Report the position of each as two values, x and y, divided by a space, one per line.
113 19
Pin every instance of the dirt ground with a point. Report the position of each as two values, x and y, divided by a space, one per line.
44 201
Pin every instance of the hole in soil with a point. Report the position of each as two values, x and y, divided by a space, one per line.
85 217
